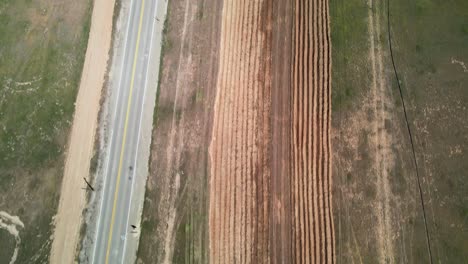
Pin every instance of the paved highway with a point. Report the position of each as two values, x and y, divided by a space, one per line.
113 227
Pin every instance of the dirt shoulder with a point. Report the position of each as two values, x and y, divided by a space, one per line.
175 214
81 143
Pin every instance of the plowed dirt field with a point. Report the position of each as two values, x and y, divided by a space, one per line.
270 185
239 204
313 238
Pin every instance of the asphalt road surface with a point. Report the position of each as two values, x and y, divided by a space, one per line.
113 227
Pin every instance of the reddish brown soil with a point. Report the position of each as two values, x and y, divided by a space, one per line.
280 231
270 192
240 175
258 76
312 225
175 217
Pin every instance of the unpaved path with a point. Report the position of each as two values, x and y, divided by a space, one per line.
81 143
381 140
376 187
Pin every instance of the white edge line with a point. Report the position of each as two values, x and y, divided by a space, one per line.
112 132
139 129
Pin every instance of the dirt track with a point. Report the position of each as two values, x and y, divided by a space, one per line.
81 142
261 189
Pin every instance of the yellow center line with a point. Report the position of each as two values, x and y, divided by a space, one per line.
116 192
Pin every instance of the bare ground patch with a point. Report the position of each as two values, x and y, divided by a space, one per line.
81 143
174 221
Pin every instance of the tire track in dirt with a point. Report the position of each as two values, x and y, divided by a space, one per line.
313 233
381 139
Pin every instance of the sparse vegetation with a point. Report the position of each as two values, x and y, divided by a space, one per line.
200 14
197 96
426 35
42 48
349 44
165 47
8 245
431 80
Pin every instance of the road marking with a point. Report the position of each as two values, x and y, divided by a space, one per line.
139 126
116 192
106 171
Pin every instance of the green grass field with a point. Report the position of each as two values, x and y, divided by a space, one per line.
430 36
42 48
349 47
430 40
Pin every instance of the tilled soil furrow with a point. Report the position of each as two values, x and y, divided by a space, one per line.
231 217
251 159
306 141
236 218
319 216
305 145
226 188
312 133
253 110
251 192
302 100
312 227
321 151
221 193
320 142
330 234
249 61
293 184
280 217
266 99
309 122
213 68
315 136
300 131
327 132
216 157
295 126
241 149
243 173
261 133
232 181
241 199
